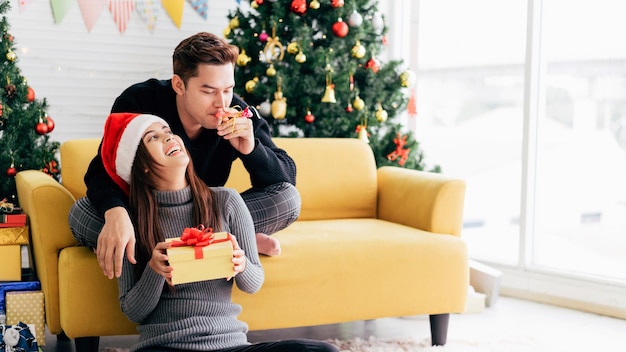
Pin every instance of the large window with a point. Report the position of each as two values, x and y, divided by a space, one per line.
529 107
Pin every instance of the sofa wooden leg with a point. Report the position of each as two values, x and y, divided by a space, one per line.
439 329
87 344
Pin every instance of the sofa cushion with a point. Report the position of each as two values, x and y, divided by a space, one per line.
343 270
336 177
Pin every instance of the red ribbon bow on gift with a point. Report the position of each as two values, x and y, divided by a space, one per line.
198 237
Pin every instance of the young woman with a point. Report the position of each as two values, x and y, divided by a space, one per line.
151 164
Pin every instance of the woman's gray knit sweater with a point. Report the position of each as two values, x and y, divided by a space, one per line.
197 316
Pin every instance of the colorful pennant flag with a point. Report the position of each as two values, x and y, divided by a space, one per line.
121 10
60 9
174 9
23 4
147 11
91 10
201 7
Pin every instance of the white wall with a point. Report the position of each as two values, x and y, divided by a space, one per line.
80 73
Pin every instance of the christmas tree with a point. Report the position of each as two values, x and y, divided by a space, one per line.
24 125
314 70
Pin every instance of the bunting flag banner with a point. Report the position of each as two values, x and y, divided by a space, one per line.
23 4
147 11
174 9
60 9
121 10
91 10
201 7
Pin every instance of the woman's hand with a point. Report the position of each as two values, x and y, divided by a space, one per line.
158 261
239 258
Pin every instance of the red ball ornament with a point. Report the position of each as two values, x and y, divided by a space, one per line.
12 171
41 128
298 6
30 94
349 108
340 28
259 2
336 3
373 64
49 123
309 117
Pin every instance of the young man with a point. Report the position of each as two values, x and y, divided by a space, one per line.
193 102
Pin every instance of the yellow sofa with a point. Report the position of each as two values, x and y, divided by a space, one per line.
369 243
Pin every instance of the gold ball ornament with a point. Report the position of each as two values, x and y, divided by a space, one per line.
292 48
407 78
271 71
11 56
243 59
226 32
314 5
381 114
358 103
279 106
234 22
358 50
300 58
251 84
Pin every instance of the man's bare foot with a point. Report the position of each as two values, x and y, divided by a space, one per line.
267 245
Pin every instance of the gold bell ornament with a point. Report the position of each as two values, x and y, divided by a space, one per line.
314 5
279 105
243 59
293 48
381 114
329 93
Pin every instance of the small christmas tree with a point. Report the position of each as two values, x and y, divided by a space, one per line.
24 124
313 70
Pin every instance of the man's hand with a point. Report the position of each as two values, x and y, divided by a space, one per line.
239 132
117 236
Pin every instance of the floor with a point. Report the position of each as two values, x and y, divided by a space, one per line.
509 320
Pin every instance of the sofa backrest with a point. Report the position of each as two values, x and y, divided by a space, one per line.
336 177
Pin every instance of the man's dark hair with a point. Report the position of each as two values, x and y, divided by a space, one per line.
202 48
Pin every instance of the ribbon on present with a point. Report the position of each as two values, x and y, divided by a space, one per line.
198 238
17 338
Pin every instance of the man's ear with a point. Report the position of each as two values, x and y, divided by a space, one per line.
178 85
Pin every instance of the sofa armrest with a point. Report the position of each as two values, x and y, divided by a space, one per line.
47 204
424 200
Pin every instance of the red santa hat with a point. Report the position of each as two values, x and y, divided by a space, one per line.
122 135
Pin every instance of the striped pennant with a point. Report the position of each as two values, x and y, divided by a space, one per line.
201 7
121 10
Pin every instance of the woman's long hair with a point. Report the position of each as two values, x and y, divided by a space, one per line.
144 207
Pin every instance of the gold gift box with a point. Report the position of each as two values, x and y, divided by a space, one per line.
216 261
13 235
11 268
27 307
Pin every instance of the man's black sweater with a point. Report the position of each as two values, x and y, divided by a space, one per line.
212 155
